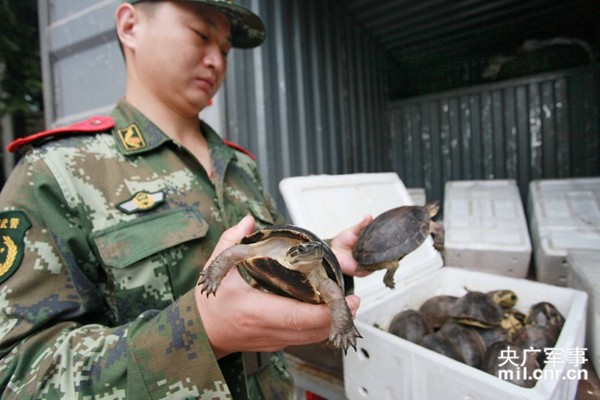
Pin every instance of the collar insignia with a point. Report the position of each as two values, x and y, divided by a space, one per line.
142 201
13 225
131 138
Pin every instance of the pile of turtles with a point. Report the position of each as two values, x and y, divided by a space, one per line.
484 330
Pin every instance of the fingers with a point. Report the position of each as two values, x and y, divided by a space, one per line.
358 228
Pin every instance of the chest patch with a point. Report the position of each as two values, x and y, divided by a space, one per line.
13 225
142 201
131 138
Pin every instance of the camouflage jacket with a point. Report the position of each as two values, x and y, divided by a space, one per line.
104 237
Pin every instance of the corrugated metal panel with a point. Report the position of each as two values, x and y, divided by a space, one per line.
544 126
312 99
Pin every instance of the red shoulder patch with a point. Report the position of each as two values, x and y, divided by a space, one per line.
240 148
93 124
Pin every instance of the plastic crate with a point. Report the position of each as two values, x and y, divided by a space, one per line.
584 274
486 229
563 214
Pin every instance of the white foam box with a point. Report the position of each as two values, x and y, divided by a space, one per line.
388 367
584 274
563 214
486 228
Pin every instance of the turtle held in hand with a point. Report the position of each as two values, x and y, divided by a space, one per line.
394 234
293 262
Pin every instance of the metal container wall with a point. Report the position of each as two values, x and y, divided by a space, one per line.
311 100
543 126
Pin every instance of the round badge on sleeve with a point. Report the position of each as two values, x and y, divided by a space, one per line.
13 225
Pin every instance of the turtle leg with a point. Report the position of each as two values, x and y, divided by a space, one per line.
438 235
391 267
211 276
343 333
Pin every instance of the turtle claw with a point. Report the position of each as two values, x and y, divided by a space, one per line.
345 339
209 285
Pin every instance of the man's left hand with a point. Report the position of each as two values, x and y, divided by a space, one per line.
343 244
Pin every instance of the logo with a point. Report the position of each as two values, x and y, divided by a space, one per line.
131 138
142 201
13 225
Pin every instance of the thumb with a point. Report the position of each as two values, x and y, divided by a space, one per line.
234 234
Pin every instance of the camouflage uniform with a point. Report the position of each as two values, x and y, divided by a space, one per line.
115 227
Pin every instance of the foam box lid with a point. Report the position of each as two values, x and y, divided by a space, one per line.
586 264
567 213
328 204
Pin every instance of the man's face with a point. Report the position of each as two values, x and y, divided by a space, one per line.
181 54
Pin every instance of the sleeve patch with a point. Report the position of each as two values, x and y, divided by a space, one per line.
13 225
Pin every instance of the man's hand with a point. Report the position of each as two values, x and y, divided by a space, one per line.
241 318
343 244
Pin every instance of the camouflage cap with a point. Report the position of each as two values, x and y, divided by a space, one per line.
247 29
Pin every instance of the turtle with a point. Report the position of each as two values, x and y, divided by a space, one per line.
393 235
492 335
410 325
293 262
439 343
436 309
469 342
477 309
544 314
512 363
537 337
506 298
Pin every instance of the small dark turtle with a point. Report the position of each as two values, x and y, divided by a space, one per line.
437 308
439 343
538 338
506 298
477 309
468 341
512 321
511 363
544 314
410 325
394 234
294 262
492 335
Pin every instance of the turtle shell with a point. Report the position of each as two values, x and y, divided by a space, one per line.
496 360
439 343
275 277
476 308
468 341
437 308
392 235
410 325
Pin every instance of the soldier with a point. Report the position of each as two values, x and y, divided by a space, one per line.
106 224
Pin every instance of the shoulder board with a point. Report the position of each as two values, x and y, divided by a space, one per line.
239 148
94 124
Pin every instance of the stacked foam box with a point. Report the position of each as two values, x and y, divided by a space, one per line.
486 228
584 274
564 214
388 367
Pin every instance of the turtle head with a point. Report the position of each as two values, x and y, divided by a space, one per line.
433 207
305 256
